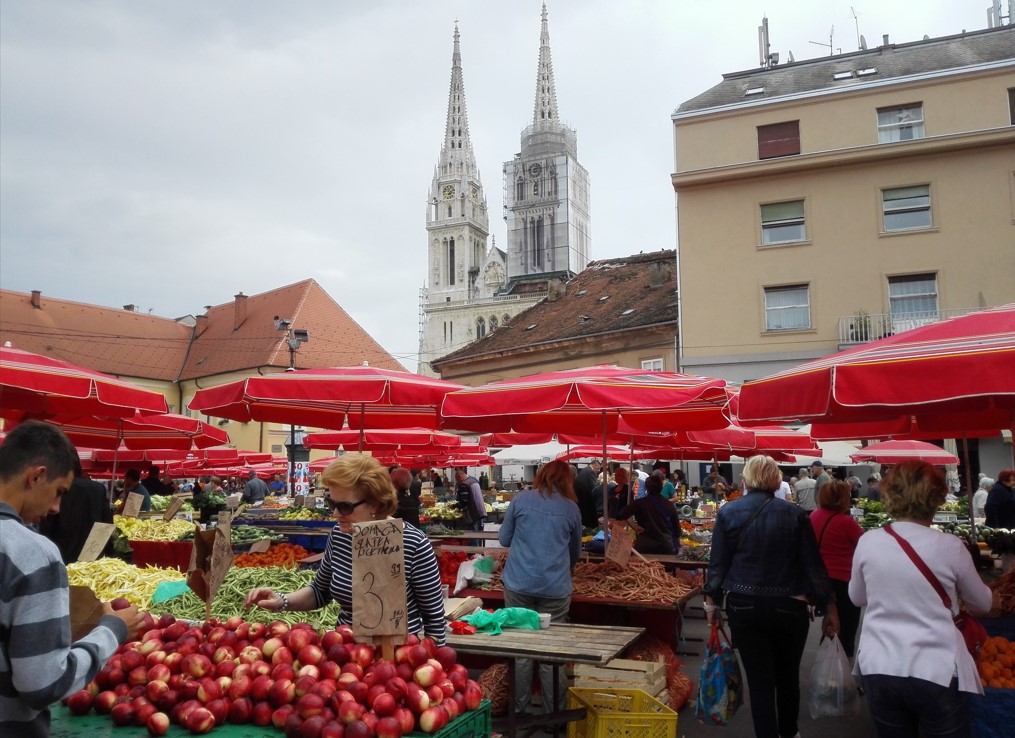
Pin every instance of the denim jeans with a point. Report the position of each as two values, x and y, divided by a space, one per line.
905 707
558 608
770 633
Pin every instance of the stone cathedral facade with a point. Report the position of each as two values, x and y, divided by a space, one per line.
472 286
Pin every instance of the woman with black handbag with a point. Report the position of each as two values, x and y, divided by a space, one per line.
765 560
916 667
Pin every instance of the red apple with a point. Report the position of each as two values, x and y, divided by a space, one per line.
240 687
199 721
283 671
249 655
240 711
404 670
447 656
196 665
458 679
155 690
298 638
282 656
405 718
261 714
309 705
359 691
156 657
80 703
333 729
326 688
459 700
159 673
257 630
122 714
271 646
312 727
209 690
138 677
389 727
384 704
143 712
220 709
120 603
222 653
281 715
353 668
451 708
242 670
104 702
174 631
277 628
417 700
174 661
293 726
131 660
418 655
435 693
446 687
396 686
351 711
234 622
224 669
329 669
282 692
157 724
260 667
310 670
310 654
182 711
473 695
260 687
363 654
304 684
425 675
330 638
168 701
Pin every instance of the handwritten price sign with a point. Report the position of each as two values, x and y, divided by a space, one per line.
378 578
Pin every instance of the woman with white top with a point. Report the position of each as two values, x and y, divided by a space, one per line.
980 500
914 662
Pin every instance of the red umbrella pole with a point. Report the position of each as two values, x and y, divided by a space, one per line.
606 493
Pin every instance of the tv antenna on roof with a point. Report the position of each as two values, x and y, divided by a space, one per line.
856 22
863 43
766 58
830 45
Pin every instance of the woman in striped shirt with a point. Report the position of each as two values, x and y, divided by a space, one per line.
359 491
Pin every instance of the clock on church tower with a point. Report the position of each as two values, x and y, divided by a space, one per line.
448 192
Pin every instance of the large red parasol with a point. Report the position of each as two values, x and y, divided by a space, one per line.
166 431
383 438
955 374
326 398
895 452
39 387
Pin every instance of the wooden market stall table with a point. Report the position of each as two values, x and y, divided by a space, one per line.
311 534
662 619
559 644
484 535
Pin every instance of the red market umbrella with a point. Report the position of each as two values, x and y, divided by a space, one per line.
589 400
166 431
38 386
364 396
956 373
384 438
895 452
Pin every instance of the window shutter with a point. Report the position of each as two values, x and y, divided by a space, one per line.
779 139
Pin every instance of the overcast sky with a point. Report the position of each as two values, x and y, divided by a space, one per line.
171 154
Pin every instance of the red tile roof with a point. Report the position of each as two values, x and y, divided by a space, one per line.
225 339
609 296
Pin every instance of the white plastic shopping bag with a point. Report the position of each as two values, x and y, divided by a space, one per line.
832 690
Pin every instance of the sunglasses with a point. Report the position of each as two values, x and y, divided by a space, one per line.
344 508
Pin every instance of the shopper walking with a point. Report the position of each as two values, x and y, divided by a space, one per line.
837 535
765 560
917 671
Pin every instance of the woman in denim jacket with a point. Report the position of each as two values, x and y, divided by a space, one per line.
543 530
765 559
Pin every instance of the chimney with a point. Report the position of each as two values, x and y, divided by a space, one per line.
129 308
554 290
37 299
200 324
884 39
239 310
660 273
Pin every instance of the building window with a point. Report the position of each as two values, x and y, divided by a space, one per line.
783 222
451 261
903 123
779 139
787 308
520 190
480 327
652 365
1011 105
504 319
912 300
906 208
493 323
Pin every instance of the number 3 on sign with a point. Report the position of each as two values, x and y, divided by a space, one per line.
378 576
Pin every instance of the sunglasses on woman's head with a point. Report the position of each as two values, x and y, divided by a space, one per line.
344 508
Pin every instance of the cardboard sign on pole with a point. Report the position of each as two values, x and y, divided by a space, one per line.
619 550
213 555
173 507
96 541
378 579
133 505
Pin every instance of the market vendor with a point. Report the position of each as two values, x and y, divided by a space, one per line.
359 491
38 663
657 520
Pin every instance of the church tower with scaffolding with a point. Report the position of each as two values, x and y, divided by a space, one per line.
546 190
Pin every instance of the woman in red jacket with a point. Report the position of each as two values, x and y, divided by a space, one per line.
837 535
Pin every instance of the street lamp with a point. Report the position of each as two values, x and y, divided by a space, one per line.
294 337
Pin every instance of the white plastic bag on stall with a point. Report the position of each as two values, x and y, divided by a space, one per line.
832 691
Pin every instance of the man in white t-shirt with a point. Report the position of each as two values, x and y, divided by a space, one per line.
804 491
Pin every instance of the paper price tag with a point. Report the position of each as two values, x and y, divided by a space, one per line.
96 541
133 505
260 546
301 500
620 544
233 501
378 578
173 507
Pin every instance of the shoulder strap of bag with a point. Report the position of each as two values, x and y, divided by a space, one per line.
924 569
823 529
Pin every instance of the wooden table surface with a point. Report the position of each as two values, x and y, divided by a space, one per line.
560 643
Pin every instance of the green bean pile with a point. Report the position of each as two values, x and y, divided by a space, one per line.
229 600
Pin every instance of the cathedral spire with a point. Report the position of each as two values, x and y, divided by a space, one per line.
546 94
457 148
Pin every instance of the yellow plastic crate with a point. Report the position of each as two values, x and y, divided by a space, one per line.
620 713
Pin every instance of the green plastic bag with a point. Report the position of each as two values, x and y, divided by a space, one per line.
506 617
169 590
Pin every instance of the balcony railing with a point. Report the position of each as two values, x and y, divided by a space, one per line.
864 327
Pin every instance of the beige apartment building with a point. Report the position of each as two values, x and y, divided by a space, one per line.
828 202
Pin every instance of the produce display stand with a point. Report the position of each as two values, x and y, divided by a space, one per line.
473 724
559 644
994 710
662 619
311 534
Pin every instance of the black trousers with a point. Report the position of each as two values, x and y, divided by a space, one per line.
770 633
